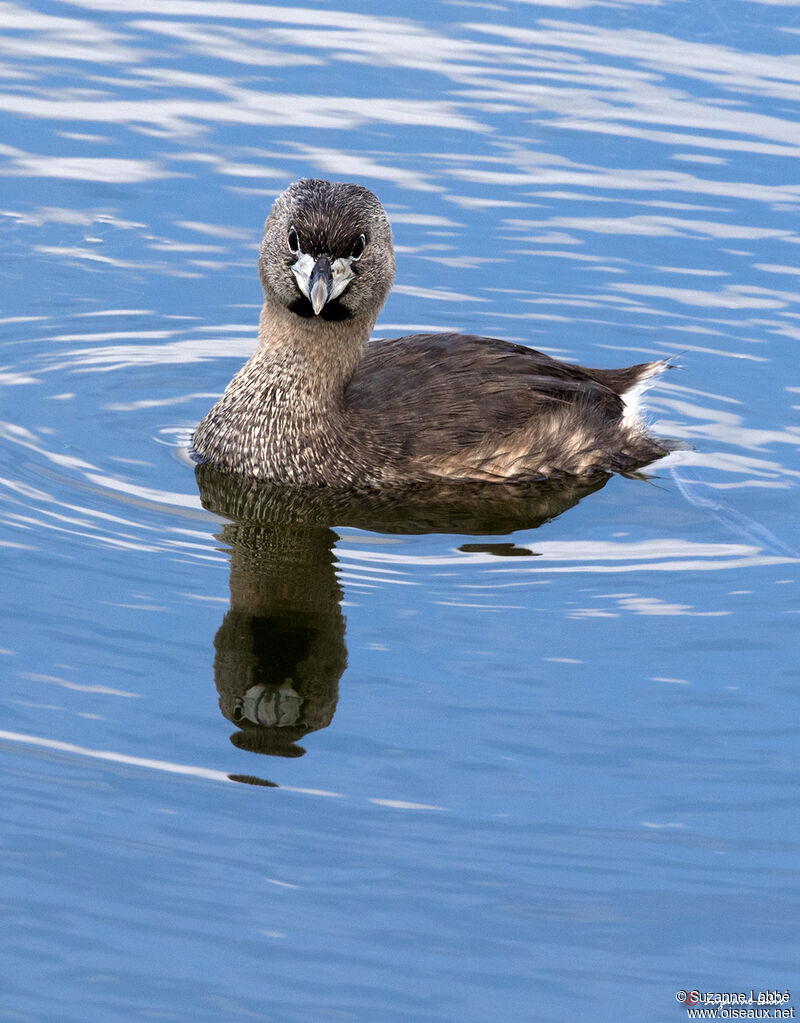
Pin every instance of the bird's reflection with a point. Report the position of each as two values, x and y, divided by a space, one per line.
280 650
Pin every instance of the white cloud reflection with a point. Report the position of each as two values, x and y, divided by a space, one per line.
590 557
82 168
572 76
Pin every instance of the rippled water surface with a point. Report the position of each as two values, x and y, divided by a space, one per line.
292 764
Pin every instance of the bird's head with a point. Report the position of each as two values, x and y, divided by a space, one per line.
327 252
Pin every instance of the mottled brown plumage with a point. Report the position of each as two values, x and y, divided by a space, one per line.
320 404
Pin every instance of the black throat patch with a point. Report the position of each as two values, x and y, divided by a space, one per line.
334 310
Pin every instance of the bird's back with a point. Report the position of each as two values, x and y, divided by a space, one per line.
457 406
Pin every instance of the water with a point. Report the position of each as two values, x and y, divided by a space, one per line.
547 774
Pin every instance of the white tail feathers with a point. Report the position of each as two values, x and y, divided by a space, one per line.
633 396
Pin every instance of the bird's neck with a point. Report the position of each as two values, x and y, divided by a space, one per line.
307 362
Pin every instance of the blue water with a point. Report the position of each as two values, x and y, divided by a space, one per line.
546 787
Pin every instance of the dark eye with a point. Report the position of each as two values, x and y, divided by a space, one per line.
293 241
358 248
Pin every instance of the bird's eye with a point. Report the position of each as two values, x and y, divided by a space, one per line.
358 248
293 241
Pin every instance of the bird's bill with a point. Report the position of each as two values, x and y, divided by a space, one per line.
320 280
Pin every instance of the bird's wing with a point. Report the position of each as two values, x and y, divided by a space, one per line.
431 394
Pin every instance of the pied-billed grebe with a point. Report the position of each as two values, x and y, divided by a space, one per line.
319 403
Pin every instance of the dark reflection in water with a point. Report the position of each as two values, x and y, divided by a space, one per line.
280 650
